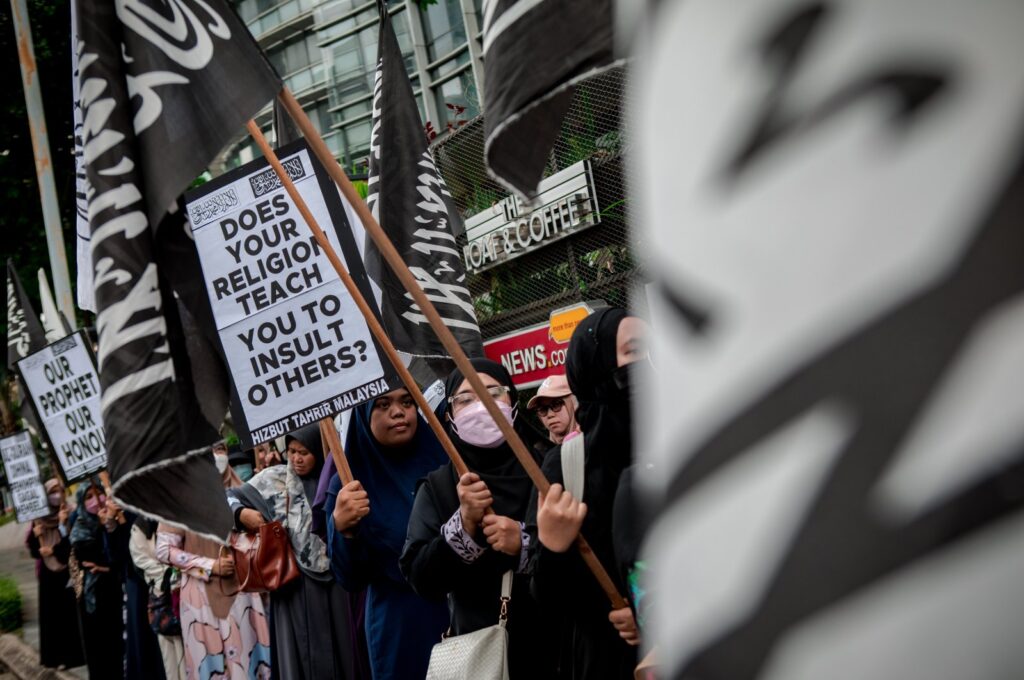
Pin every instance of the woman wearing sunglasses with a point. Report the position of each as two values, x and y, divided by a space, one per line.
555 408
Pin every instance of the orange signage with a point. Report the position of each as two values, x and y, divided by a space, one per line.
565 320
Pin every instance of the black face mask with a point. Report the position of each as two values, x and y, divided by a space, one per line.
627 379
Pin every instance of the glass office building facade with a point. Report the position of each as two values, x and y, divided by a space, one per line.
326 52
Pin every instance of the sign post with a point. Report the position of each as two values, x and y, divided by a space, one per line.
62 381
19 458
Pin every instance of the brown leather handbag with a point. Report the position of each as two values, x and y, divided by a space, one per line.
264 561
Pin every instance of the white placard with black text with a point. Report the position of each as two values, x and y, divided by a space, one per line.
19 458
62 380
295 342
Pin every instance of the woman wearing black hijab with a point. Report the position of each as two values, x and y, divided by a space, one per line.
454 549
310 623
591 643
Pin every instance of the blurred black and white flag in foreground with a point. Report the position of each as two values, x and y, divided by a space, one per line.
164 85
411 202
837 195
534 52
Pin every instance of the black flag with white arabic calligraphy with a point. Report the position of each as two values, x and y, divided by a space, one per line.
25 333
410 201
164 86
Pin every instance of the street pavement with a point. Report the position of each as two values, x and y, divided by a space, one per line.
16 563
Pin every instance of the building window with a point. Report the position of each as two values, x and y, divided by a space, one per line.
353 61
457 100
280 14
294 56
250 9
443 27
329 11
450 66
362 18
352 66
356 146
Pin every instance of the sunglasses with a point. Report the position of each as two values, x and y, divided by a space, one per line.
554 406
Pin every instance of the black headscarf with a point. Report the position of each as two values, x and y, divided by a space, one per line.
510 487
389 475
309 436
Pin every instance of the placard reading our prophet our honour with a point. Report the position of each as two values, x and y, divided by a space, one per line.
61 378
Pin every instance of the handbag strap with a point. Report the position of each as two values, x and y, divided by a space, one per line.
165 584
573 466
506 596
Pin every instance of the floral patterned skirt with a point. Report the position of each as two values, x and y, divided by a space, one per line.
236 647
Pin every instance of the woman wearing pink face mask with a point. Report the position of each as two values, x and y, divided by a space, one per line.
454 548
100 597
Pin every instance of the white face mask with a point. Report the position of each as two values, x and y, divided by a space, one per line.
221 462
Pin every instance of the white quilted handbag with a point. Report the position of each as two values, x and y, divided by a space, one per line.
480 655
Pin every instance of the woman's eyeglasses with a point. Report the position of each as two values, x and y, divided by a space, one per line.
555 405
463 399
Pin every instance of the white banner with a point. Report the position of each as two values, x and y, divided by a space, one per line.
19 458
61 378
295 342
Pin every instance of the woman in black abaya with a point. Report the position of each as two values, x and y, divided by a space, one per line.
454 549
591 643
60 642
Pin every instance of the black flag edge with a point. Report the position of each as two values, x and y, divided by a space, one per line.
564 89
164 515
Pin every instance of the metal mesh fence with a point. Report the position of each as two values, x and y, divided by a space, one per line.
595 263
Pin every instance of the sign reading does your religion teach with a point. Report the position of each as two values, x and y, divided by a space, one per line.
297 346
566 204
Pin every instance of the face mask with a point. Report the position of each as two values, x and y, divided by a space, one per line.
475 426
221 462
626 379
92 505
55 499
244 472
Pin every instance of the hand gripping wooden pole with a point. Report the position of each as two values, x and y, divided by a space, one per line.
412 286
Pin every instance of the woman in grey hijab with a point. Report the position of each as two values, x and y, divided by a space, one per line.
311 625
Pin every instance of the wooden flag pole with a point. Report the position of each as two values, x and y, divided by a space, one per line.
329 435
357 296
401 270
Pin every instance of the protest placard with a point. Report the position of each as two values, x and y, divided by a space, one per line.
294 340
19 458
62 381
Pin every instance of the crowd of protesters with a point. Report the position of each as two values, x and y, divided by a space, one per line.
409 552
